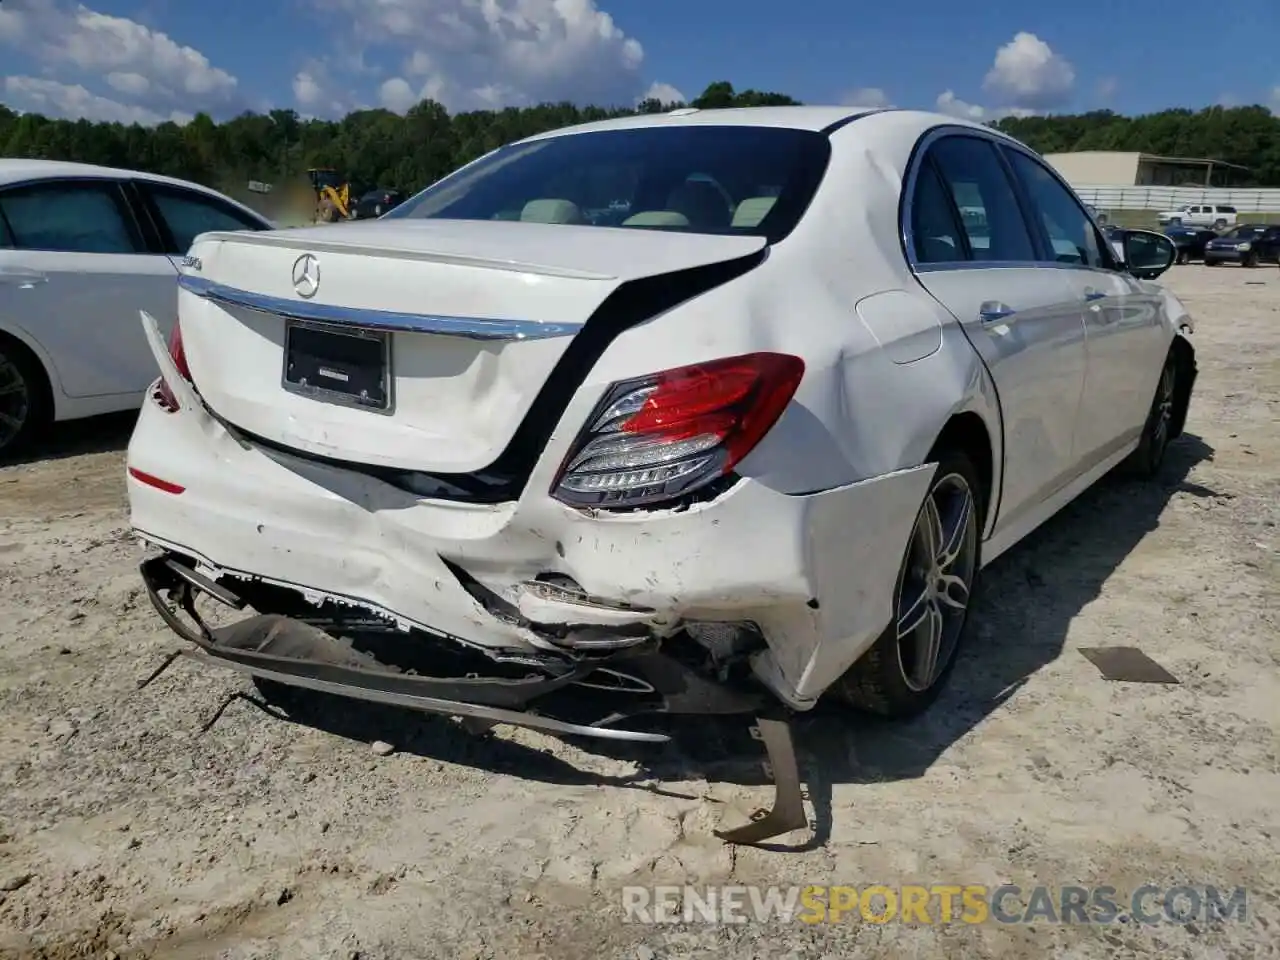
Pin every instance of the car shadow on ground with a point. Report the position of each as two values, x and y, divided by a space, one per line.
103 434
1027 601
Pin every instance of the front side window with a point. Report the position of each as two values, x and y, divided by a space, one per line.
743 180
189 214
989 212
1071 235
76 217
1247 232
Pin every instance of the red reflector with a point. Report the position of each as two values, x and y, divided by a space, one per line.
179 356
156 482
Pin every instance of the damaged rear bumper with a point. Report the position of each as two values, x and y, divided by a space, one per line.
811 575
291 652
296 653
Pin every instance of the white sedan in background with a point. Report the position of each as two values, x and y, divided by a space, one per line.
82 249
742 440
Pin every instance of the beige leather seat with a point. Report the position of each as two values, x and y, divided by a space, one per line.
551 211
752 210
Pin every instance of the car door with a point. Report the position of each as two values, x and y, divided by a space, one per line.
181 215
88 273
1123 333
1269 245
1025 321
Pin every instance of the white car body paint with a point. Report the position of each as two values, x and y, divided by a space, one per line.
807 544
78 312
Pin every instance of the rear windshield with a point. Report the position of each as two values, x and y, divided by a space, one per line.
748 180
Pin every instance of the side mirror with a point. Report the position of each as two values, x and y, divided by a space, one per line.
1147 254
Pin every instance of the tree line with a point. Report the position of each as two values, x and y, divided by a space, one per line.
383 149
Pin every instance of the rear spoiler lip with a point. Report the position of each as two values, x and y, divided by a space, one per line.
471 328
273 238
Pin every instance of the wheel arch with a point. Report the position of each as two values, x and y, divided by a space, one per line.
969 433
21 343
1184 357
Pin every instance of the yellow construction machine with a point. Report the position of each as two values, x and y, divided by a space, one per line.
334 200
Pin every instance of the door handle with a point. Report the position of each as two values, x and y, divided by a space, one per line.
993 311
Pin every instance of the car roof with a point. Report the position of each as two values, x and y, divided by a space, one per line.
22 170
816 118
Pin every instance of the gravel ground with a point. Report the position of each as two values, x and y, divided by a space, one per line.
127 831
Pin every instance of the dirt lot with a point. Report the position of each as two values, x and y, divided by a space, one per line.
127 831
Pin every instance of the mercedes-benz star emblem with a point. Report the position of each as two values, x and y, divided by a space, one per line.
306 275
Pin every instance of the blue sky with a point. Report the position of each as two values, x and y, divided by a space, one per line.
149 60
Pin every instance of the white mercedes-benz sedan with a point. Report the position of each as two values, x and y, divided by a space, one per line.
699 413
82 248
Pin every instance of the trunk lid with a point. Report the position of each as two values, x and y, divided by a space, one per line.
467 318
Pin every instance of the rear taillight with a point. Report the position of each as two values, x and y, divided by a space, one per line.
657 437
179 357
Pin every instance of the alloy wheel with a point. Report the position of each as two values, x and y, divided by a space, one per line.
936 582
15 401
1162 412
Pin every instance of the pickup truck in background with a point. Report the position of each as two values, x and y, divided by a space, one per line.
1217 216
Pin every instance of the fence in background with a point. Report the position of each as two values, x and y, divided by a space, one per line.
1253 200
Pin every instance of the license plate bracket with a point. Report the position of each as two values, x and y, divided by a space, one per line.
338 364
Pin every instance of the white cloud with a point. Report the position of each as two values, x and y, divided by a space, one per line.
37 95
12 25
664 93
1275 100
1107 87
396 95
75 45
134 84
478 54
867 98
307 89
953 106
319 94
1027 74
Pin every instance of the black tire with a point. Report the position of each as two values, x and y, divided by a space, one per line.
878 682
1182 257
26 407
1251 259
1145 461
1219 224
1211 263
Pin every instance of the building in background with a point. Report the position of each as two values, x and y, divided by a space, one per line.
1113 168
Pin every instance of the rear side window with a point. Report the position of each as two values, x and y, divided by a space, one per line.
990 216
935 234
188 214
750 180
70 218
1226 209
6 238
